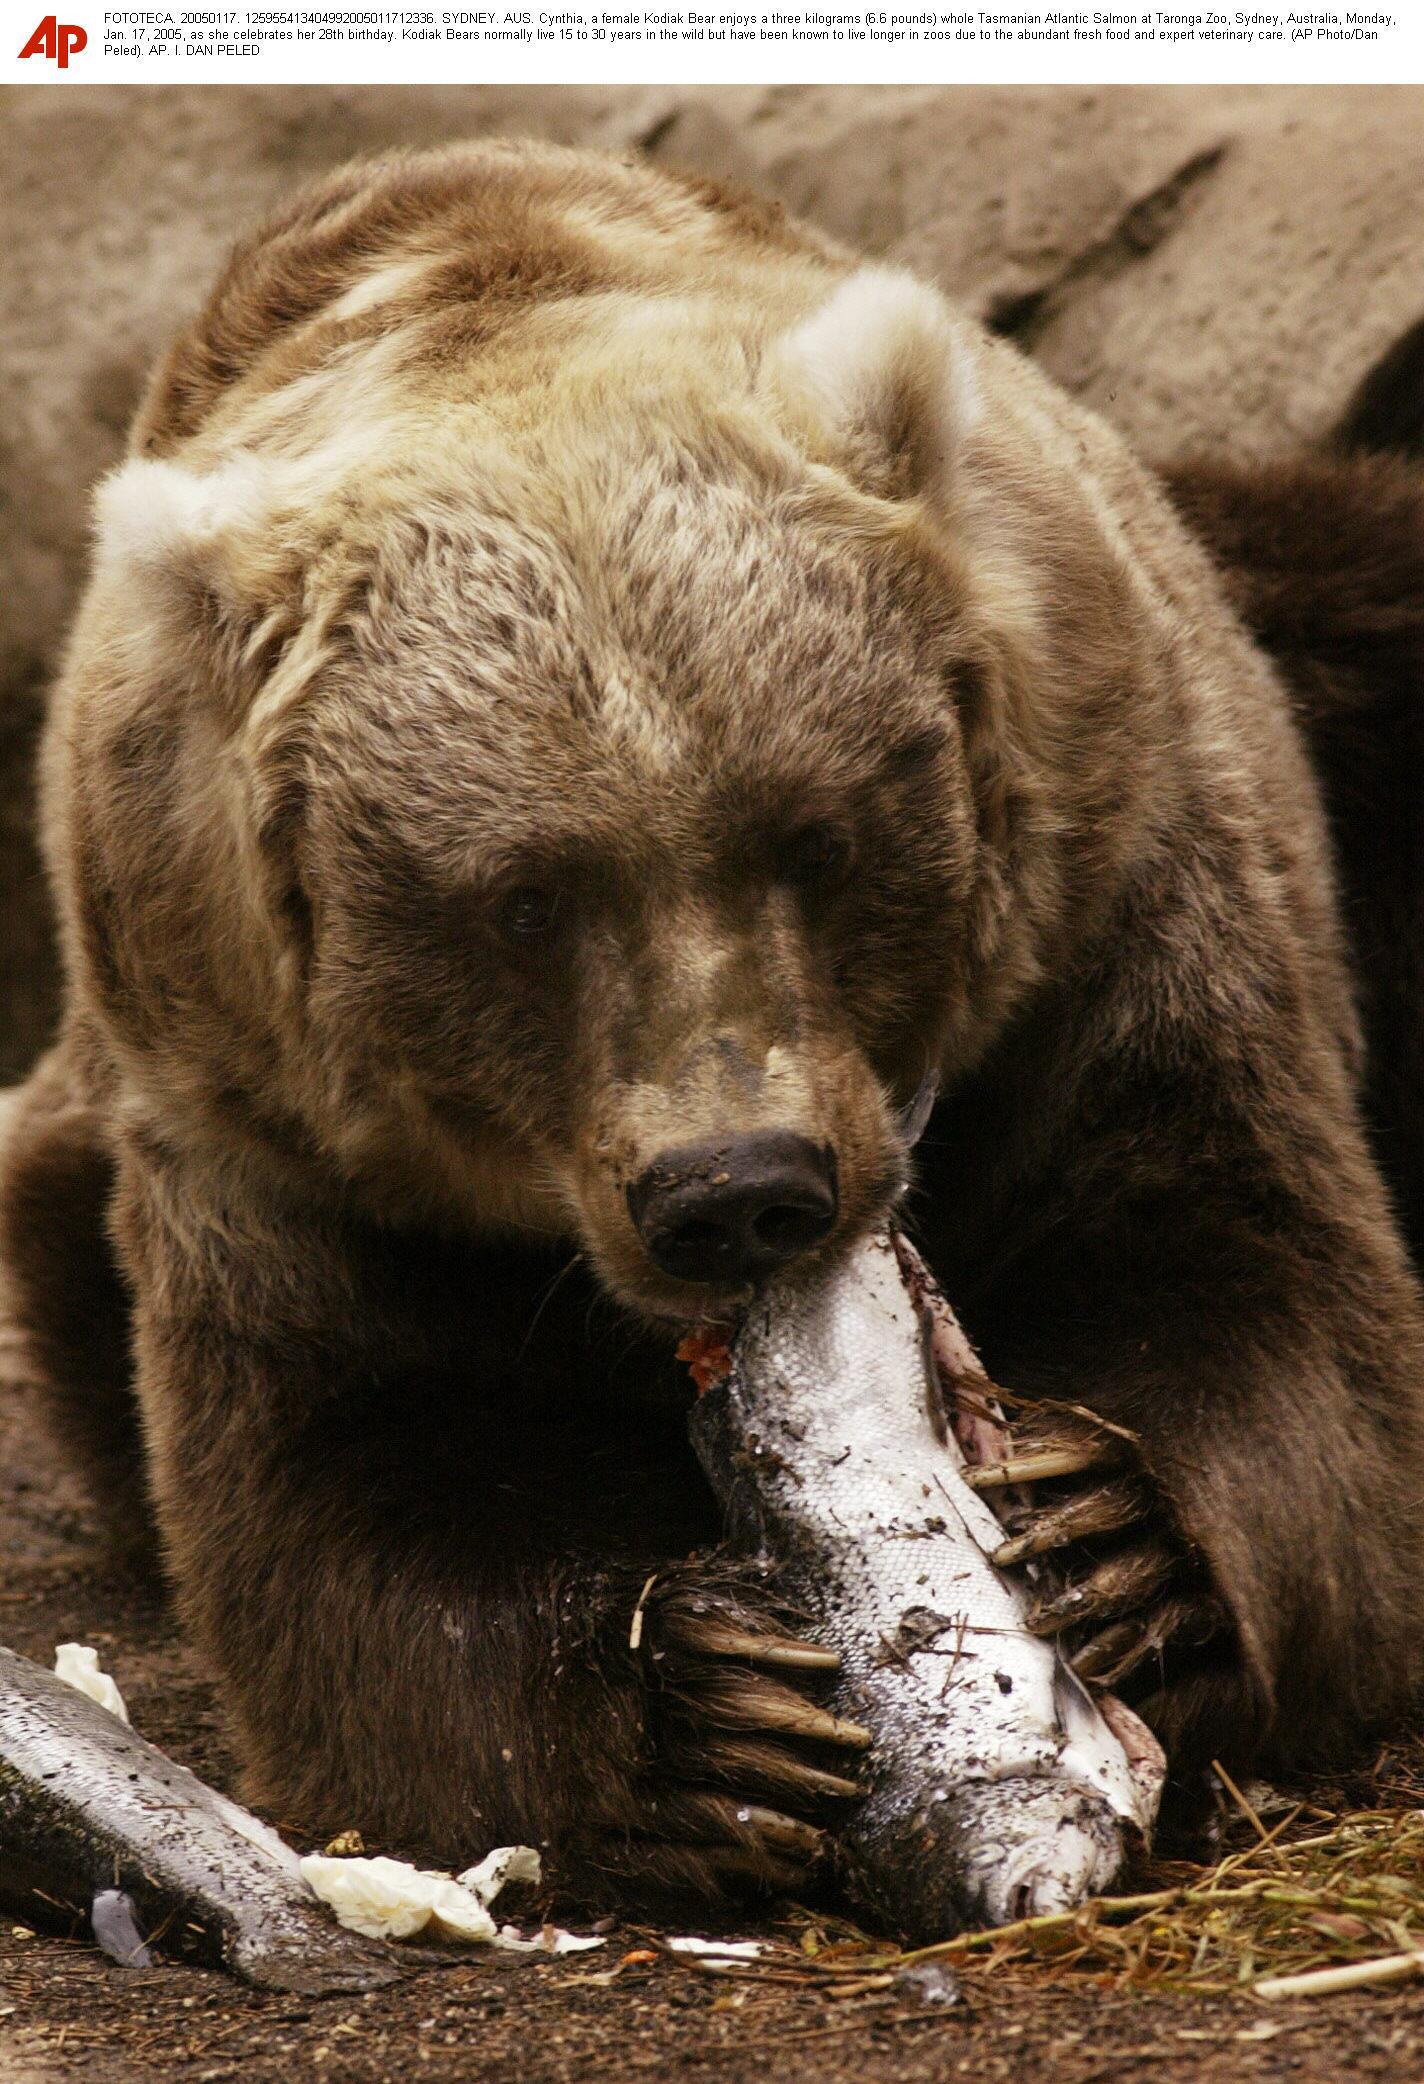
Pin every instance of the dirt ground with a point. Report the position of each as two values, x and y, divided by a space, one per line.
68 2013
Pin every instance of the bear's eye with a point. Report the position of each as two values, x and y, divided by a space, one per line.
529 911
816 856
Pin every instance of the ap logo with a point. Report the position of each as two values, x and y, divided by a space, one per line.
55 39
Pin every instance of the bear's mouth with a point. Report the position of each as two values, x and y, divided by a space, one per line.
704 1312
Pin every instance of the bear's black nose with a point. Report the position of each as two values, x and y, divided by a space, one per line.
735 1208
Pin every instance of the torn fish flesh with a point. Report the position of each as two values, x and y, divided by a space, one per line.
996 1788
97 1824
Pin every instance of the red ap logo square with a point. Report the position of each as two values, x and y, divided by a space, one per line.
55 39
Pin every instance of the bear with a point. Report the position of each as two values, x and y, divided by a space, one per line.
592 704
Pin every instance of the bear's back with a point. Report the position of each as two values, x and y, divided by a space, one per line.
435 257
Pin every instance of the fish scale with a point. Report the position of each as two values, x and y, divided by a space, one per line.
95 1822
996 1787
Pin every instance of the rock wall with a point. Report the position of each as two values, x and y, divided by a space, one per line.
1204 265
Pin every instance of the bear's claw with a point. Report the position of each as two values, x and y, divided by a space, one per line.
1115 1582
704 1817
1104 1509
1120 1584
729 1788
779 1772
1037 1461
1112 1656
721 1639
745 1700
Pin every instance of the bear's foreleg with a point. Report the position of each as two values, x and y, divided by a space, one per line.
1239 1549
64 1293
410 1638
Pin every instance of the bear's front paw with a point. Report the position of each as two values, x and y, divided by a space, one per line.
742 1765
1115 1580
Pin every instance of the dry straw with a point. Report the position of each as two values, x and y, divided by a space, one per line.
1327 1896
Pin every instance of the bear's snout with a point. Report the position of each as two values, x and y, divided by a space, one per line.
733 1209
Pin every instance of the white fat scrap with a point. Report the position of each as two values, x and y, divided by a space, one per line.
78 1665
505 1864
391 1899
997 1788
717 1949
549 1939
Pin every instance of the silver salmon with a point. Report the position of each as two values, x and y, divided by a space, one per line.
96 1823
996 1787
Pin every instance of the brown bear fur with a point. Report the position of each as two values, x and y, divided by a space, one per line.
516 520
1323 557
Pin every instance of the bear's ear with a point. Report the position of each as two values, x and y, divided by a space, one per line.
206 581
881 380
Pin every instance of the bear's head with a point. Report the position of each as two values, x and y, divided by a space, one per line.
594 821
